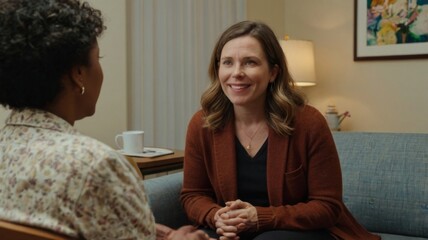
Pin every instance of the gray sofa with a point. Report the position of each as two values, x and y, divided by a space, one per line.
385 182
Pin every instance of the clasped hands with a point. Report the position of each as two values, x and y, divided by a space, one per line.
237 216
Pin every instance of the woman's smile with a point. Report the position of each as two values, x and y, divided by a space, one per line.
239 87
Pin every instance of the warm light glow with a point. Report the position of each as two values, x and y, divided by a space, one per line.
300 61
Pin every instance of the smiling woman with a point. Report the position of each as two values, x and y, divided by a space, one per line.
286 182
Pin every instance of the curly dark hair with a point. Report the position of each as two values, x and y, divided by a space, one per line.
40 41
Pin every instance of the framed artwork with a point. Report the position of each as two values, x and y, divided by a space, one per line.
390 29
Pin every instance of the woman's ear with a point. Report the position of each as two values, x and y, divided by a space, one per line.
274 73
76 78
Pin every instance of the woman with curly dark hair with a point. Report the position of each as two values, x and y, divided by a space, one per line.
51 176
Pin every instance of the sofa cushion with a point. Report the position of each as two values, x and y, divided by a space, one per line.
385 180
163 194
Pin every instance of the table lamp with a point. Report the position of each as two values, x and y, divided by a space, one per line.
300 61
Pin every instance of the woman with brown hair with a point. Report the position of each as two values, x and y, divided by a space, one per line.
259 162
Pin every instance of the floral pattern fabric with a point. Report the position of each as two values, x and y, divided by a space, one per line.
53 177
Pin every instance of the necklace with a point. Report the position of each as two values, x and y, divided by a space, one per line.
248 147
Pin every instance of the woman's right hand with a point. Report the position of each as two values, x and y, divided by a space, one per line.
224 228
236 217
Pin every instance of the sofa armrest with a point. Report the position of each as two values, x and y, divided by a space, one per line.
164 199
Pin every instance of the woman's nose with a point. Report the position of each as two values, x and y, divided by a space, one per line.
237 72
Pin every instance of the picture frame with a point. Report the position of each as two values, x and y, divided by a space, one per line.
390 31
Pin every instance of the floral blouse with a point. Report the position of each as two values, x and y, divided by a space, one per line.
53 177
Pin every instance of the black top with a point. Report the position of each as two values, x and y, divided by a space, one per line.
251 176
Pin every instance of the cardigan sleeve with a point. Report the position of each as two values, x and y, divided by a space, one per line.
197 195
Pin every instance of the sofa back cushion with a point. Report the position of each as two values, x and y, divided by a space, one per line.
385 180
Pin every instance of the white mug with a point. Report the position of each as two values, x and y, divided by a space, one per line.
132 141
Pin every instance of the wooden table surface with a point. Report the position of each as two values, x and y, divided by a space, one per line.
151 165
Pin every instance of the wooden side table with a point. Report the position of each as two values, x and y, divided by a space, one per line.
159 164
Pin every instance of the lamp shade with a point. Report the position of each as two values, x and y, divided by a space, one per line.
300 61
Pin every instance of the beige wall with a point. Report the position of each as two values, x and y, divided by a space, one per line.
270 12
388 96
110 117
382 96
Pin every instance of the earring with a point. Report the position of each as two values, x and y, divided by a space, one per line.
271 87
83 90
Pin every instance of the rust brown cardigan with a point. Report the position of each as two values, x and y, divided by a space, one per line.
303 171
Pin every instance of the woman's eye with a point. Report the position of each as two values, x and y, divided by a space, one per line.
227 62
250 63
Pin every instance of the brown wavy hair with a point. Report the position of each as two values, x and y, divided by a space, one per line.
282 96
